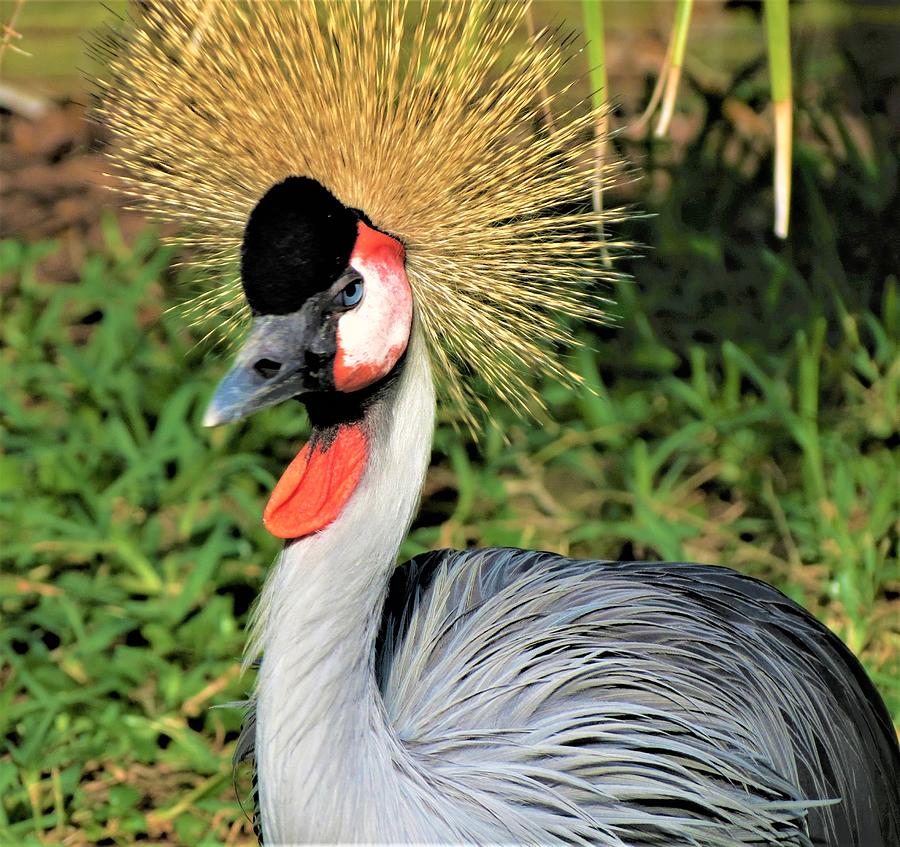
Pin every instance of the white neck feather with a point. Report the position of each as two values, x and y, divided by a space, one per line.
321 734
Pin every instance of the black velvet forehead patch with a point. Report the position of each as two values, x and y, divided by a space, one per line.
297 242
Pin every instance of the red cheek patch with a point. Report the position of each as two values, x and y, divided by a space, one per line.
372 337
354 377
317 485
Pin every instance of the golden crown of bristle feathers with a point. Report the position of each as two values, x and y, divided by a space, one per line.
427 117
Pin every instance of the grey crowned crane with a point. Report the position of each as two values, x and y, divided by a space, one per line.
367 179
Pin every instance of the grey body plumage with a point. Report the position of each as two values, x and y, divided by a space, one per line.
631 704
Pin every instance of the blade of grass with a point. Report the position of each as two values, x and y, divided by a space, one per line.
594 29
675 60
638 126
9 32
779 43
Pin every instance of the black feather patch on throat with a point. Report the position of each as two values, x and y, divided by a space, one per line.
297 242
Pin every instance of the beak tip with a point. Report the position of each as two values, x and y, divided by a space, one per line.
212 416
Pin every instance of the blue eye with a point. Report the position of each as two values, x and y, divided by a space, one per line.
350 294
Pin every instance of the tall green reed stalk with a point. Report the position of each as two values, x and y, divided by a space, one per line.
779 42
596 51
666 89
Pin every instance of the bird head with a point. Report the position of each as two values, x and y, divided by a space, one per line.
258 129
330 301
371 185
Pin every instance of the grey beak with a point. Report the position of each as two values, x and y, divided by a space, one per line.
270 367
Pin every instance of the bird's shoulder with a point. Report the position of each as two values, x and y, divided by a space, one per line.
450 592
444 593
448 607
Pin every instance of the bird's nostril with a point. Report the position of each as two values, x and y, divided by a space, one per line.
267 368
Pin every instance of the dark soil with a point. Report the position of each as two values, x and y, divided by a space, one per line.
53 185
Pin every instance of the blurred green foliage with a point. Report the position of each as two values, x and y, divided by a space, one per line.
133 545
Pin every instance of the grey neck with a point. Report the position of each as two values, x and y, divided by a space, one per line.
322 736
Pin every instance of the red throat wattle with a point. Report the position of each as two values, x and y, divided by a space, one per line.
317 484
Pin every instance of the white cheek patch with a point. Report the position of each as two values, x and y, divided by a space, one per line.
372 337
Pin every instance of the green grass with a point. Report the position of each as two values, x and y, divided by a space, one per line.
132 541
